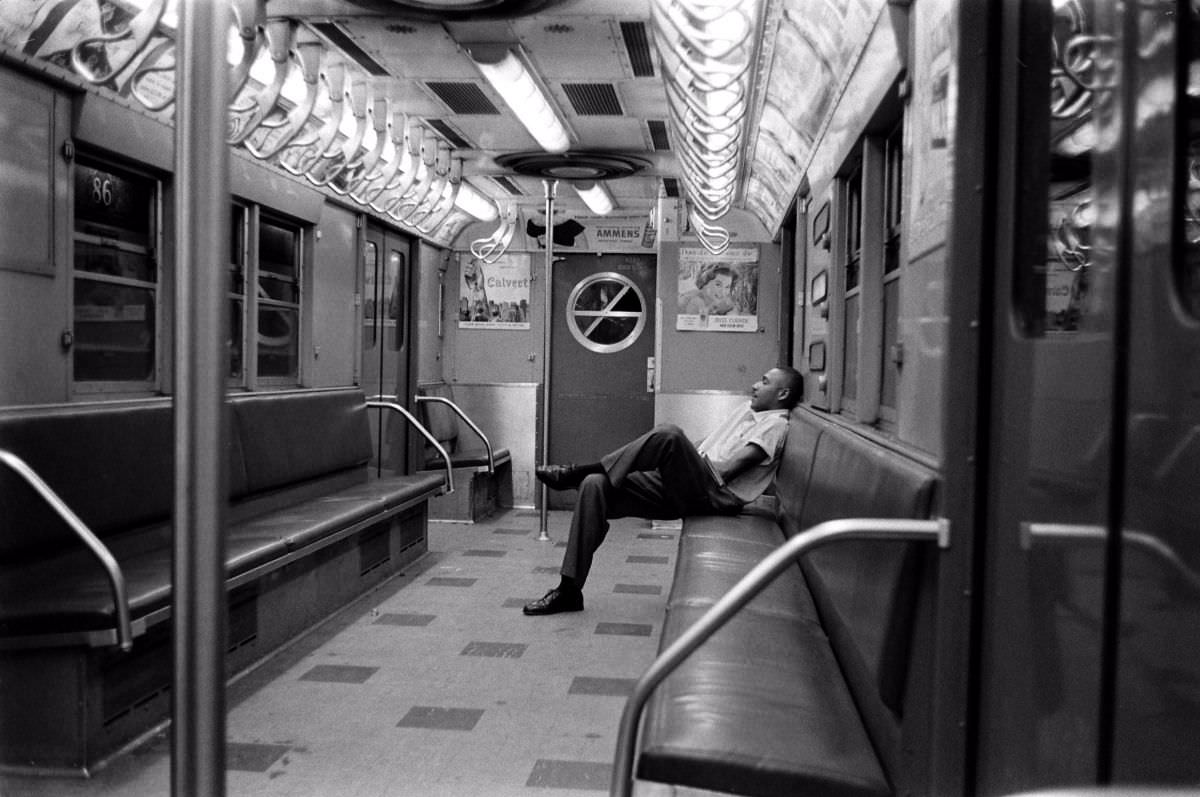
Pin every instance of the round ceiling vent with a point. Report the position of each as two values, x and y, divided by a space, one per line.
572 165
456 10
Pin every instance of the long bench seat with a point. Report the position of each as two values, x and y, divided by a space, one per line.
802 691
67 593
307 529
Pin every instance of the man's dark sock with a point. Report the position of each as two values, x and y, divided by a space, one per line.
587 470
568 584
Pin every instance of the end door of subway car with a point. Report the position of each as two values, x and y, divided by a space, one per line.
601 382
386 337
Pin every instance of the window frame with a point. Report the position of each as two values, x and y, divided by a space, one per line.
151 249
893 268
255 301
251 217
869 259
240 227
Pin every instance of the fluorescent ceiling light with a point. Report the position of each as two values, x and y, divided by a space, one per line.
469 200
514 83
594 195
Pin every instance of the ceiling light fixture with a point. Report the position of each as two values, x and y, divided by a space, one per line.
595 196
513 81
470 200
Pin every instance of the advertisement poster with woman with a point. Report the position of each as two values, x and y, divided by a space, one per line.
494 295
718 293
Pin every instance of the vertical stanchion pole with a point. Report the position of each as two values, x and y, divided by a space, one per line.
544 519
201 362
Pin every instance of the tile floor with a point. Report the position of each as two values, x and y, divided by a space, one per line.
436 684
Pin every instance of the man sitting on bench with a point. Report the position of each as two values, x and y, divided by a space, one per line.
663 476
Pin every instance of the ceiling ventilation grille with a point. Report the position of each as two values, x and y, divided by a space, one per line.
594 99
465 98
637 45
449 133
508 185
339 39
658 134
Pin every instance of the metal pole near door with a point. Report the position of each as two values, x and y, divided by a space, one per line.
544 519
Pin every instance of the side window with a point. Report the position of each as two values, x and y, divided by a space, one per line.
893 204
278 299
852 236
870 263
266 256
115 279
236 338
1187 268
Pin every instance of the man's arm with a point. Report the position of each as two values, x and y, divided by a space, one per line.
745 458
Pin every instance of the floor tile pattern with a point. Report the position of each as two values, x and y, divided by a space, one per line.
441 719
616 687
624 629
591 775
339 674
638 589
638 559
248 757
405 619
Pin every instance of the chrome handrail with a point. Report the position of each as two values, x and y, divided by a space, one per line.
109 562
1032 532
474 427
391 403
736 598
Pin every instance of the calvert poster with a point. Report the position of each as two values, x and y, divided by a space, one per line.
718 293
494 295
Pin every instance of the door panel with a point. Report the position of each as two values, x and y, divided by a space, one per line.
385 345
602 338
1045 600
1157 683
1091 577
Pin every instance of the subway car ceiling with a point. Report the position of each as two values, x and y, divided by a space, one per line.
369 98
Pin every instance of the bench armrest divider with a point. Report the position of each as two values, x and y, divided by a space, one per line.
390 403
736 598
116 578
474 427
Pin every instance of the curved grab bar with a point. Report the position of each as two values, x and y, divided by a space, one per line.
1137 540
390 403
115 577
742 593
457 411
138 31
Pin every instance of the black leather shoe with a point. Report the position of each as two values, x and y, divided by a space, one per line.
560 477
555 601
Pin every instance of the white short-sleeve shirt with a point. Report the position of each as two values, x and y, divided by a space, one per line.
766 429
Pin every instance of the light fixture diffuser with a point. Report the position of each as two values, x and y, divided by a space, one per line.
509 76
594 195
470 200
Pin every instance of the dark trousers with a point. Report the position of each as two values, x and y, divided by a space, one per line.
658 476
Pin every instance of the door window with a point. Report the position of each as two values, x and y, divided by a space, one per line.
393 298
606 313
370 295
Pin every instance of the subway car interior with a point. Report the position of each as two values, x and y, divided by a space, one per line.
301 300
